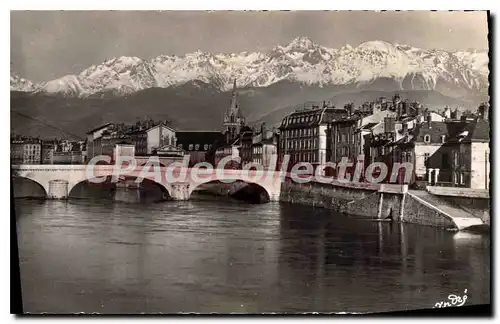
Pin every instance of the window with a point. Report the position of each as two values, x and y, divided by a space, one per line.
455 158
443 138
190 147
197 147
427 138
408 157
205 147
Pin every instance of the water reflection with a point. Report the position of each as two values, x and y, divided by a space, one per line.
208 256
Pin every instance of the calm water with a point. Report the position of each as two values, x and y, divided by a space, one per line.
220 256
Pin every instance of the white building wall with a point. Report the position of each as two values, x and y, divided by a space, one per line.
322 144
480 166
167 134
420 150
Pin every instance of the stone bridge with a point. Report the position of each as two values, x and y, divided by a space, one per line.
179 182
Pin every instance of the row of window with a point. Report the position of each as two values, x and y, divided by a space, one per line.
345 138
305 144
32 149
257 150
196 147
458 178
301 132
311 157
302 119
427 138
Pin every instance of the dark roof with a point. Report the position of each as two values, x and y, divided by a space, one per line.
434 129
312 117
473 131
481 132
196 137
369 125
98 128
135 131
347 120
124 143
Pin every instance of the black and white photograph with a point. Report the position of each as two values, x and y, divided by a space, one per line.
250 162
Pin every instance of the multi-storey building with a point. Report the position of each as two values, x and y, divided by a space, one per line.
158 136
94 147
470 153
48 149
303 134
26 151
197 144
264 147
225 151
347 134
439 148
246 141
371 131
139 138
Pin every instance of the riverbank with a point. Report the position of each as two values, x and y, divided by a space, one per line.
383 202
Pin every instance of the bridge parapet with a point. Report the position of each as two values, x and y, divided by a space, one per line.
179 182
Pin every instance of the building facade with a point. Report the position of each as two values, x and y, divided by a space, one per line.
94 147
303 135
197 144
26 151
158 136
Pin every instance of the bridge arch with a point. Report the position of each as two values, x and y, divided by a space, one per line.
238 186
17 186
110 183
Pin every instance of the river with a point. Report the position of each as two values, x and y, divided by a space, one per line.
211 255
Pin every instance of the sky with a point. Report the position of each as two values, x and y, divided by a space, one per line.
50 44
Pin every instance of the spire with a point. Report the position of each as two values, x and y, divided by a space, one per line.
234 100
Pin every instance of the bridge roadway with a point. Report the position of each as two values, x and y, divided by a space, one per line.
59 180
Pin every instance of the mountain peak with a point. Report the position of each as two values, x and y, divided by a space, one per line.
301 43
377 45
302 61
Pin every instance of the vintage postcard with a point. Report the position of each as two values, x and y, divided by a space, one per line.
250 162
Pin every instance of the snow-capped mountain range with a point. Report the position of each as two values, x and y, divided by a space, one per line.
301 61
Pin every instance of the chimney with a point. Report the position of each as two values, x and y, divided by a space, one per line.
429 119
418 109
262 127
453 114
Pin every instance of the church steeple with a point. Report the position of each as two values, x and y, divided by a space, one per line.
233 118
234 97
